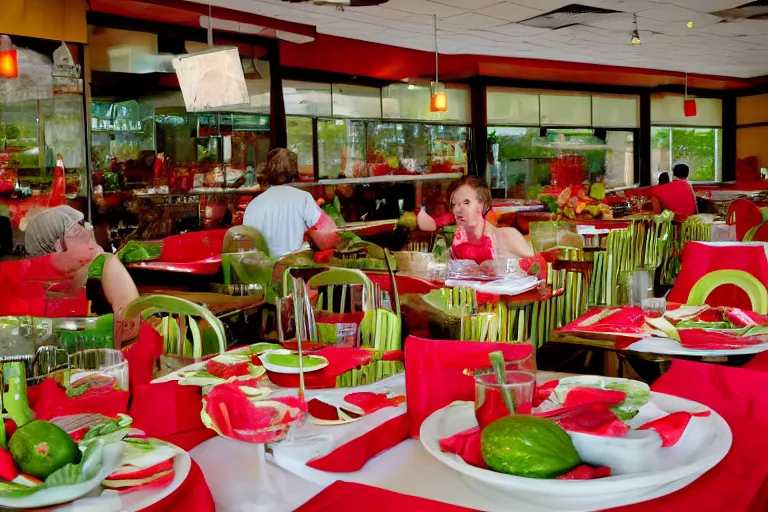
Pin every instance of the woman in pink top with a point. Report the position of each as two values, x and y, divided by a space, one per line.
475 238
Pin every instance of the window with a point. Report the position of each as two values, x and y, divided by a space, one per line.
411 102
700 148
341 148
300 142
522 159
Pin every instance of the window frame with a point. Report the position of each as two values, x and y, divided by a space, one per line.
718 178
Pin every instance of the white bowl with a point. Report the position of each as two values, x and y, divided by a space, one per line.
695 453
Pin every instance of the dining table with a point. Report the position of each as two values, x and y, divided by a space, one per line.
243 477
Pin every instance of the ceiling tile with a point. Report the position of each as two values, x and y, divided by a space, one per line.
739 28
350 25
672 13
544 5
515 29
710 5
469 5
509 12
425 7
474 21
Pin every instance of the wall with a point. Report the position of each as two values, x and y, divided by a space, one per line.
752 140
60 20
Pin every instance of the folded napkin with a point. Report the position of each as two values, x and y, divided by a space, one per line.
353 455
672 426
49 400
438 372
346 495
340 360
166 409
739 396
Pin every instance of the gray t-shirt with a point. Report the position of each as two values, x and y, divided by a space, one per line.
282 214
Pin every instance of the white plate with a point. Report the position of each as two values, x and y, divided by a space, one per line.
134 501
287 369
695 455
110 460
669 347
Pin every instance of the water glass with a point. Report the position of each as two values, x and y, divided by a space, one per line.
106 362
490 401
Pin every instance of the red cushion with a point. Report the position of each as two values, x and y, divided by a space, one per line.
677 196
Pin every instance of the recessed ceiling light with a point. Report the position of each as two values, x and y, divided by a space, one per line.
690 24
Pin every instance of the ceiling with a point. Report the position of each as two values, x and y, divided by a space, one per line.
587 31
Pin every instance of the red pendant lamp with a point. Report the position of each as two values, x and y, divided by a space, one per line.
438 96
689 105
9 60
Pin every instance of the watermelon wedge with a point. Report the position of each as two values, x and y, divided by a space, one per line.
157 480
136 473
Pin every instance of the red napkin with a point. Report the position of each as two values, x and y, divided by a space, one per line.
435 372
739 482
595 418
346 495
672 426
713 340
582 396
166 409
193 494
353 455
467 445
49 400
340 360
193 246
141 355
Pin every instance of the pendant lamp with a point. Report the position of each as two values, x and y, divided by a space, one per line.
438 96
9 60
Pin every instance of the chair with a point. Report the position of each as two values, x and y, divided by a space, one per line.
756 290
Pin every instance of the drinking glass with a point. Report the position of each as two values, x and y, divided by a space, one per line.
107 362
490 401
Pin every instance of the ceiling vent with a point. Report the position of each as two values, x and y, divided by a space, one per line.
751 11
573 14
341 4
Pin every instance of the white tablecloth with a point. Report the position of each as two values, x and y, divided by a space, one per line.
243 479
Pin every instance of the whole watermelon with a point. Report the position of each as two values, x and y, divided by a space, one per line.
528 446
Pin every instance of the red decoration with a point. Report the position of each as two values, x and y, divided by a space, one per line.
9 64
689 108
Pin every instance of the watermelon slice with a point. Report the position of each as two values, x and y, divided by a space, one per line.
135 473
228 370
94 381
228 411
157 480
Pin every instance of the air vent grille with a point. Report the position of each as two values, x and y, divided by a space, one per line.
573 14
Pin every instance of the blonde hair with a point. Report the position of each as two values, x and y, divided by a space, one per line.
479 186
281 167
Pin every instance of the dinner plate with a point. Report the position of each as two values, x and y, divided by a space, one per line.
690 458
134 501
288 369
669 347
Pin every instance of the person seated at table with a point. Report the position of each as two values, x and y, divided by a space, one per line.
663 178
677 196
476 239
62 232
283 214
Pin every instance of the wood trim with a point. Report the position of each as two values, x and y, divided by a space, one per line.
752 125
728 153
478 128
643 171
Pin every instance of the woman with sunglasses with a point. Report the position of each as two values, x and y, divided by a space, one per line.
62 231
284 214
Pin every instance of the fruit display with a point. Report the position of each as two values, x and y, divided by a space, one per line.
578 202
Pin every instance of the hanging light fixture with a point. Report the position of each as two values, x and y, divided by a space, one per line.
9 60
635 35
438 96
689 105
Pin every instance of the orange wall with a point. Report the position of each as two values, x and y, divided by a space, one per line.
752 141
60 20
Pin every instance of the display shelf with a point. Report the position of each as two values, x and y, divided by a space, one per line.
383 179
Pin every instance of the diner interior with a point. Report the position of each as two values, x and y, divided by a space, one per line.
433 255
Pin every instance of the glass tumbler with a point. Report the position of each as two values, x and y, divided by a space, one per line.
493 400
